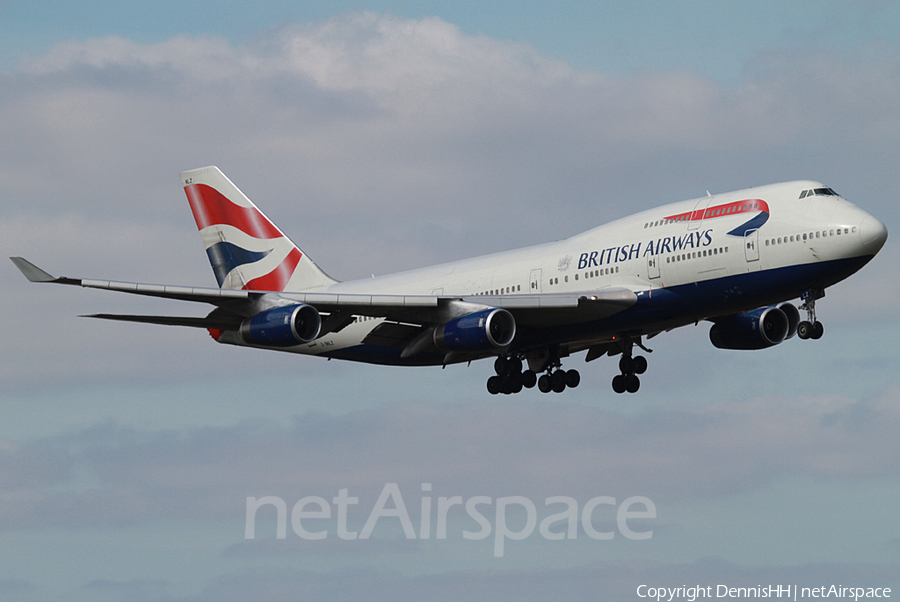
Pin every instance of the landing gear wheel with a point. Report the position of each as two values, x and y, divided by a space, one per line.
626 365
501 365
529 379
573 378
619 383
640 364
515 366
545 384
558 381
632 383
817 331
494 385
804 329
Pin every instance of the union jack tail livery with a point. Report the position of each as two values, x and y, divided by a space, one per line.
246 250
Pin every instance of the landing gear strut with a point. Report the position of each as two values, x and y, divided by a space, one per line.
511 379
810 328
630 368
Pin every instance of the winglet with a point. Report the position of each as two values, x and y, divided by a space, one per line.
31 271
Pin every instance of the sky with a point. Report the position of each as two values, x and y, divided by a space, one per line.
384 136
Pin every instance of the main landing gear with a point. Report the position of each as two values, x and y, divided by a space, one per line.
511 379
810 328
630 366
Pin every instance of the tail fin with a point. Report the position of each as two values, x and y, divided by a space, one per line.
246 250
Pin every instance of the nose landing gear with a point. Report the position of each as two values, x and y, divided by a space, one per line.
810 328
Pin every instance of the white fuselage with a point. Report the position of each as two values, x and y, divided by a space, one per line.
687 243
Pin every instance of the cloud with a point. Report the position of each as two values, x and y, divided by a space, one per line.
466 449
381 144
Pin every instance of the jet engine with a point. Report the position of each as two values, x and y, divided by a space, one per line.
477 331
755 329
282 326
793 316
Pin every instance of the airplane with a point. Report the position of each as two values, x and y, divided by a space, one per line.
736 260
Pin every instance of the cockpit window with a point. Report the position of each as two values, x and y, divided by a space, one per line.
818 192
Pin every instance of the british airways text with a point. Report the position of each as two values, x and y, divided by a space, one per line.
669 244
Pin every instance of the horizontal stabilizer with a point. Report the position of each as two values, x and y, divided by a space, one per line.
222 323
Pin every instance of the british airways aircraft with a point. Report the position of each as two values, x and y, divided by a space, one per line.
735 260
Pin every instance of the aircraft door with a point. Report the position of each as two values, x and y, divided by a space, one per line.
653 266
535 281
751 248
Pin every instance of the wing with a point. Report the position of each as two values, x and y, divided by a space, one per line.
235 305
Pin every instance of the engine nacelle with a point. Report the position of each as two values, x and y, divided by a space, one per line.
282 326
793 316
755 329
477 331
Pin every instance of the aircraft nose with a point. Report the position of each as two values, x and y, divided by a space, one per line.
873 234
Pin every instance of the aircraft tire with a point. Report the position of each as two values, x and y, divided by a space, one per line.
640 364
573 378
515 366
618 383
529 379
545 384
632 383
558 380
493 385
817 331
804 329
515 382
